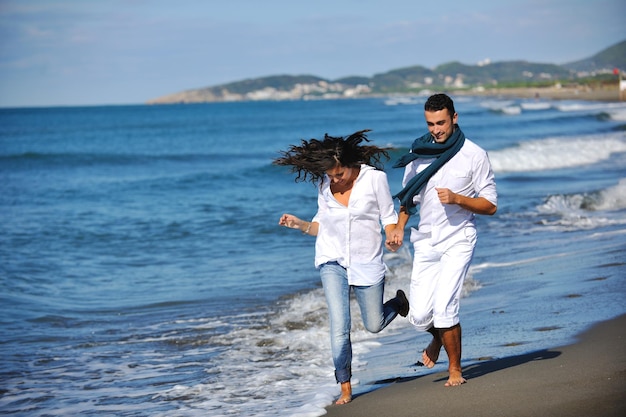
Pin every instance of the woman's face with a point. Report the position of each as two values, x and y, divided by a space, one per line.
340 175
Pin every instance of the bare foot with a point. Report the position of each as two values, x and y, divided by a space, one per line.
455 379
431 353
346 393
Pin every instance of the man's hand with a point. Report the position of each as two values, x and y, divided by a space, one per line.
478 205
394 238
446 196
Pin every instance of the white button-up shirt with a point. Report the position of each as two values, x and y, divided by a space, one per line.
351 235
468 173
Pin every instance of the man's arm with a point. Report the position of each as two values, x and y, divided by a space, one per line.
477 205
403 218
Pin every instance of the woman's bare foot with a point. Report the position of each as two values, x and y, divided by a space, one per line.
346 393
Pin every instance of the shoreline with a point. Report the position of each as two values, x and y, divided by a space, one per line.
587 378
581 92
551 93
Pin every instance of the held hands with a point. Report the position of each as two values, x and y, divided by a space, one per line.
394 239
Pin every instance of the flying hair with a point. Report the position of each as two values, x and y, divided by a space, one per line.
312 158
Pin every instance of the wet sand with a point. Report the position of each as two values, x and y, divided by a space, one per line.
587 379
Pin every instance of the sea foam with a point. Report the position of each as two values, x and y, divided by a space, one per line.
556 153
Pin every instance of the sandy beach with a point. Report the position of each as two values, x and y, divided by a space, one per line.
587 378
606 93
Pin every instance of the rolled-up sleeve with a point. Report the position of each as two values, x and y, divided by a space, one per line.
388 214
484 179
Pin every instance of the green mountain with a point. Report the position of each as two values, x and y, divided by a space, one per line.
452 75
612 57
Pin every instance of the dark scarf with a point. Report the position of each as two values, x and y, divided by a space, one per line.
425 148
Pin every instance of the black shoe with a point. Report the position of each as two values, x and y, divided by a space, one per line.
402 303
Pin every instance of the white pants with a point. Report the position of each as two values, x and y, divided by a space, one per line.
437 278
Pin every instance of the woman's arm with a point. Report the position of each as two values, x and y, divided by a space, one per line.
293 222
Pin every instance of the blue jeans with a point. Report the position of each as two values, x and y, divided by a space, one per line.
376 316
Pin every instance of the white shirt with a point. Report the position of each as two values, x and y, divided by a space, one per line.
468 173
351 236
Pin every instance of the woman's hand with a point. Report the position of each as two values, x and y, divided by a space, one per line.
394 237
292 222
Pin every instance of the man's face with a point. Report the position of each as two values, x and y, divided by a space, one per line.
440 124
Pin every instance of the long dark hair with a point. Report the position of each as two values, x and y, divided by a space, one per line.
314 157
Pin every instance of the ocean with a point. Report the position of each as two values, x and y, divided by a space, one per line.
144 273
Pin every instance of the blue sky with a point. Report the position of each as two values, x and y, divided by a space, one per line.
89 52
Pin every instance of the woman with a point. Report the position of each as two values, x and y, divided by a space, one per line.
353 200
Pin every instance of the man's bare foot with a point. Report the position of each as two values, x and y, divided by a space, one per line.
451 339
346 393
455 379
431 353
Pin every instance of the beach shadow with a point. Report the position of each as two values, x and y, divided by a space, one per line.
475 370
483 368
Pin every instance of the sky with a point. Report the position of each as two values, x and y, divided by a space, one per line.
110 52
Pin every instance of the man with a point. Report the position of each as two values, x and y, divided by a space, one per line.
451 179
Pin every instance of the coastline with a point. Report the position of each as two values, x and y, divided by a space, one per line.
552 93
606 93
583 379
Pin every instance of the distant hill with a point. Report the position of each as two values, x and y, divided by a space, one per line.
415 79
612 57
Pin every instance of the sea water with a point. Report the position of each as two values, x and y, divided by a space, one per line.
144 273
